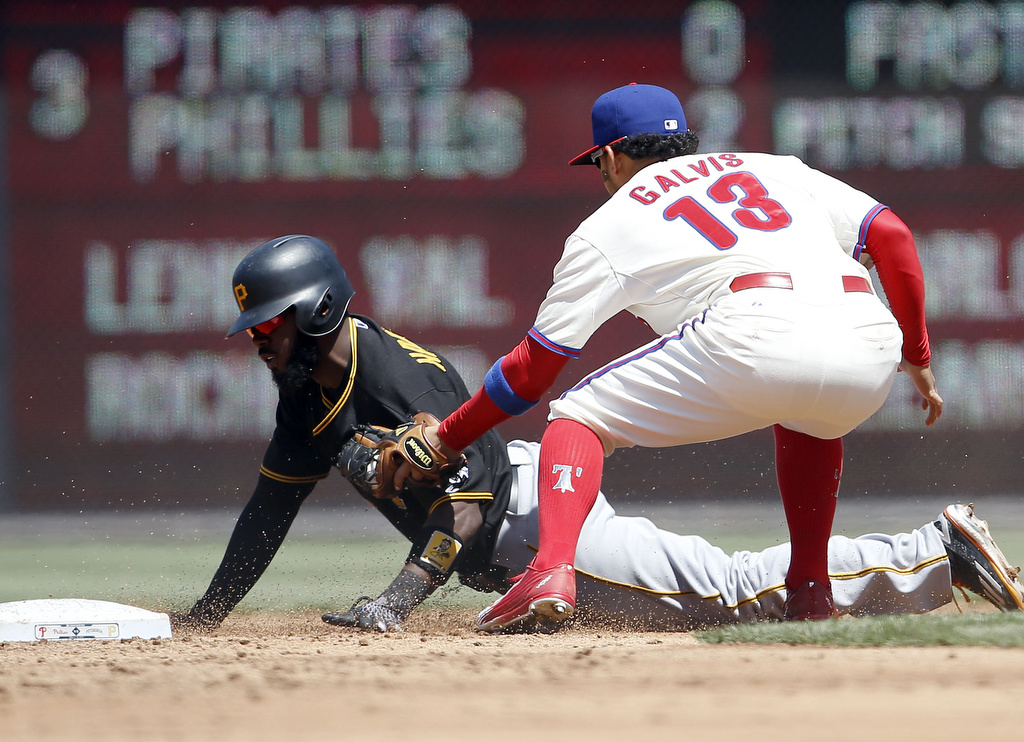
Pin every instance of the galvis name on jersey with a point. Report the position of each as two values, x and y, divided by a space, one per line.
703 168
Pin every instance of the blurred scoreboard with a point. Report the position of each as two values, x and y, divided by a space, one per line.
149 146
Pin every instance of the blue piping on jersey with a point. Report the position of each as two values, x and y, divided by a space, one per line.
862 235
499 390
561 350
640 353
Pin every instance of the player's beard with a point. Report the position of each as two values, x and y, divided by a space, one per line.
299 369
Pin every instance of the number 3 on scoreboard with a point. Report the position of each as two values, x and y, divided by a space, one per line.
757 210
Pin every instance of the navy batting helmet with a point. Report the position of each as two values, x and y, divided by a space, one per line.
292 271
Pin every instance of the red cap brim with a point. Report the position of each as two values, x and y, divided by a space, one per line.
584 158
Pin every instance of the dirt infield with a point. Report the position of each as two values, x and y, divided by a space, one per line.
291 677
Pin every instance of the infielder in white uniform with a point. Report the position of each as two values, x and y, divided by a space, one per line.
747 267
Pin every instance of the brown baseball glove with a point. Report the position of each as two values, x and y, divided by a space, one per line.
418 459
381 462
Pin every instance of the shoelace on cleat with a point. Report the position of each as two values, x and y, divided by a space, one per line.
1013 572
966 597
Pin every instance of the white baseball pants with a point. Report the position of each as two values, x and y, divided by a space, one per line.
755 358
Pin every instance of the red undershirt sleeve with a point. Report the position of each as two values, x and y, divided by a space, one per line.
515 383
890 244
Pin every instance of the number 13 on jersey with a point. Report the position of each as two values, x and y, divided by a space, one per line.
756 211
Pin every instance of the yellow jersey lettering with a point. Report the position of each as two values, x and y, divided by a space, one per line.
416 352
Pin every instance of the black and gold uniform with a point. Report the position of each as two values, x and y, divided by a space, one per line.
390 378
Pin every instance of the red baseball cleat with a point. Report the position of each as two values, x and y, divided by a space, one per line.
810 601
540 596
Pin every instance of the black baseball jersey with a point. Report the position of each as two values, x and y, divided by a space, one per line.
390 379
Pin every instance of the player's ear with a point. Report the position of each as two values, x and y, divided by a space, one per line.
618 169
617 161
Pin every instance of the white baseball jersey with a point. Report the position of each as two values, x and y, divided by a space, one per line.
629 569
818 357
667 244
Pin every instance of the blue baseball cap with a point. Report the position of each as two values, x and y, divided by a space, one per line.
632 109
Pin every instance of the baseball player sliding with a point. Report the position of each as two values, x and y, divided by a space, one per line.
750 268
348 391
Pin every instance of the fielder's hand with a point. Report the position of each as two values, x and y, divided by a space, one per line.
924 380
424 458
380 462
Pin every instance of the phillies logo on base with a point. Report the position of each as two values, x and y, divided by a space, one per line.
564 472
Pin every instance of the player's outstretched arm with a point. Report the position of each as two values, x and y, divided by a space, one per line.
256 538
512 386
924 380
436 552
390 609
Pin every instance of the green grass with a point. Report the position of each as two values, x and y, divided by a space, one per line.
166 574
969 629
330 559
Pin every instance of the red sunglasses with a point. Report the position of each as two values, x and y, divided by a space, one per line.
265 328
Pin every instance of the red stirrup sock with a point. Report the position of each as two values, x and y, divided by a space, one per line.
808 470
571 463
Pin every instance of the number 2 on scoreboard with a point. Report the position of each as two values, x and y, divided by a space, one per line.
756 211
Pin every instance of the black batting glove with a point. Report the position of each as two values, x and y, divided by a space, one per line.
371 615
389 610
